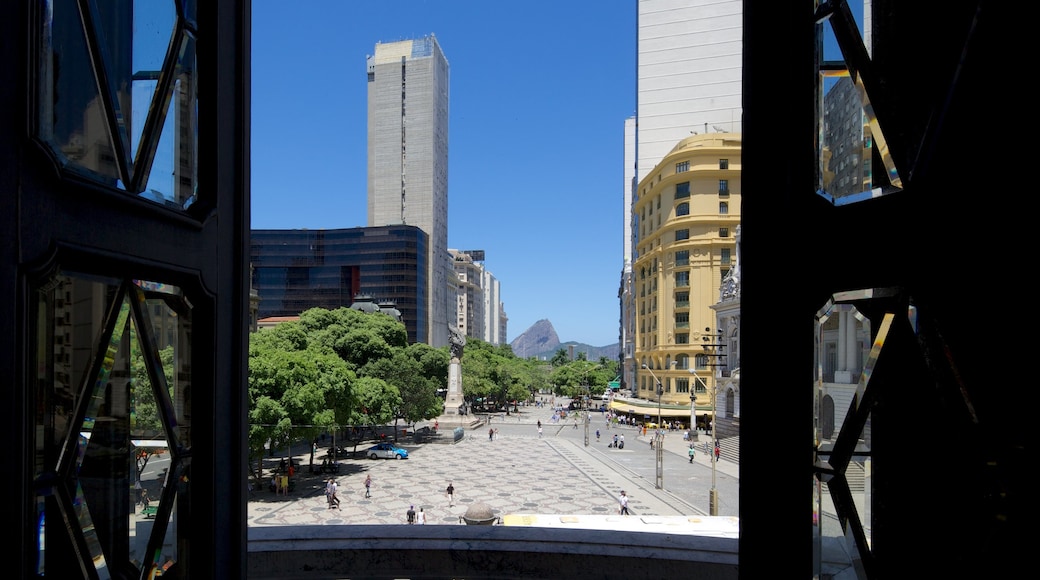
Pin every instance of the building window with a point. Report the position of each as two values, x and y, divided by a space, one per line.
682 319
682 190
683 234
699 386
725 256
682 385
723 188
682 299
723 163
723 232
682 258
701 360
682 209
682 279
682 167
682 338
723 207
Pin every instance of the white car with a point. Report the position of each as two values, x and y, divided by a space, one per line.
386 451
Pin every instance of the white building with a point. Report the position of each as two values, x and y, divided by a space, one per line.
408 158
688 73
479 310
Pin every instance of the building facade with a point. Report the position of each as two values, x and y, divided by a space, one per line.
688 82
295 270
408 98
688 73
479 308
688 210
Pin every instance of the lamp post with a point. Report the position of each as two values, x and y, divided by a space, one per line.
587 398
659 433
713 351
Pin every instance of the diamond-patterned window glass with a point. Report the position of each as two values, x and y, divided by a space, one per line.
854 161
845 354
113 409
116 96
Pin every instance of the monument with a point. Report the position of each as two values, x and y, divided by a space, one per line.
454 403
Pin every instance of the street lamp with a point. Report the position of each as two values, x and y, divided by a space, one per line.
587 399
713 352
659 433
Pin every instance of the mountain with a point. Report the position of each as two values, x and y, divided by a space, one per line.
542 342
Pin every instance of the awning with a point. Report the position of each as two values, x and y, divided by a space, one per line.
651 410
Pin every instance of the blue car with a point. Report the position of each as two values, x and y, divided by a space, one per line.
386 451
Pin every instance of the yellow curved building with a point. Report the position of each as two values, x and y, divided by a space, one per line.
686 216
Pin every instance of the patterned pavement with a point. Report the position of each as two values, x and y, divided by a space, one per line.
516 473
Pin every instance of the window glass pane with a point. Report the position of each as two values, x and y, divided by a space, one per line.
854 162
138 132
112 422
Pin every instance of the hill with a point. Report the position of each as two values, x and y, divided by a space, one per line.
541 341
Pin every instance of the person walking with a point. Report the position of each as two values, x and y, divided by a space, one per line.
691 452
718 450
331 489
623 504
368 485
597 435
410 514
615 440
421 517
491 434
451 494
621 442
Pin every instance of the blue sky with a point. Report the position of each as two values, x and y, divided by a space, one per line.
540 91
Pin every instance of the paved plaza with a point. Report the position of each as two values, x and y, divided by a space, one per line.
517 472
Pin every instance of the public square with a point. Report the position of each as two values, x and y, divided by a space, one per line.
516 472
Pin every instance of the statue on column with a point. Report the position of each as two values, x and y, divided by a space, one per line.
455 403
458 341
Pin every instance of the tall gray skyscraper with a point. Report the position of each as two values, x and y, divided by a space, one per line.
408 157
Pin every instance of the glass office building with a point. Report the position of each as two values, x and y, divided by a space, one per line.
295 270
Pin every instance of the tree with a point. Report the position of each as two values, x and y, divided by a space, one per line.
305 387
405 371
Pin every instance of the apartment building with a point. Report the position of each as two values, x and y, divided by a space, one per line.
687 212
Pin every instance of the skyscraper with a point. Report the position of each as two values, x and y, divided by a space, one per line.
688 74
408 158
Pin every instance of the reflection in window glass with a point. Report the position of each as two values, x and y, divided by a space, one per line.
113 422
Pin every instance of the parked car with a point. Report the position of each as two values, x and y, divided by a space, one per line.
386 451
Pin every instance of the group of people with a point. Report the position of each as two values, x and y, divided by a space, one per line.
619 441
330 493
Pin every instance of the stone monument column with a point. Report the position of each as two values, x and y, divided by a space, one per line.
454 403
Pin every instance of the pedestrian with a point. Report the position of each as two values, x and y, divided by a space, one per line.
621 442
421 517
368 485
718 450
691 452
491 434
332 489
451 494
496 432
539 431
615 440
411 514
597 435
623 504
